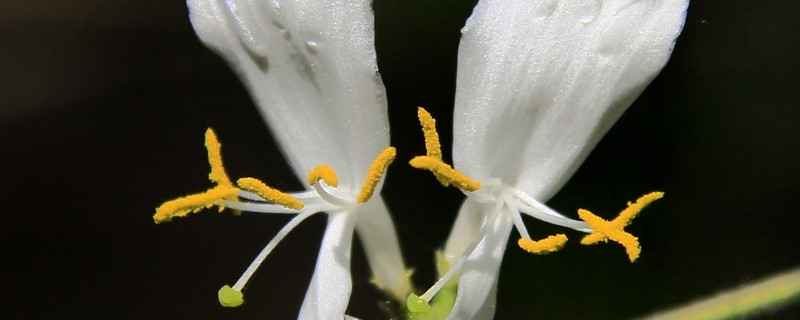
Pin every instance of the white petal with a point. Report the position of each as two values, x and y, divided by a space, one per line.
477 286
329 292
379 239
539 82
468 222
487 310
311 67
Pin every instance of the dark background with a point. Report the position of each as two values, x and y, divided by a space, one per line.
103 105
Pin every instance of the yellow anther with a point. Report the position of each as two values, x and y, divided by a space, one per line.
272 195
193 203
433 162
432 146
446 174
324 173
376 171
605 230
213 146
215 196
544 246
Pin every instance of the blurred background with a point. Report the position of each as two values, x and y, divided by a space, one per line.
103 105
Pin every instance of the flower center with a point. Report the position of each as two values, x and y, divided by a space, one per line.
252 195
507 202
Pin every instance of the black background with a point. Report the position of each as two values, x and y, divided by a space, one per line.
103 105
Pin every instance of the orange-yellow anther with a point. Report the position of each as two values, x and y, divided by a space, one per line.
215 196
547 245
605 230
213 146
376 171
324 173
432 160
446 174
272 195
432 146
193 203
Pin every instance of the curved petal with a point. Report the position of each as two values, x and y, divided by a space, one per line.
539 82
329 292
379 239
477 286
311 68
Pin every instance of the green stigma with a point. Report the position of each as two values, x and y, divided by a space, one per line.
415 304
442 303
439 308
229 297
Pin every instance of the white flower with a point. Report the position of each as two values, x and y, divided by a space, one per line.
539 83
311 68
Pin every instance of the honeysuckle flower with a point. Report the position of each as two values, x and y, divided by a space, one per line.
538 84
311 68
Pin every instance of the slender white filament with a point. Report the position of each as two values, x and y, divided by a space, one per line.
540 211
488 223
271 245
259 207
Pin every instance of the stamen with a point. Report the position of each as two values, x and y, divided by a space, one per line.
376 171
513 212
182 206
547 245
261 207
432 146
605 230
247 195
538 210
213 146
325 173
269 194
300 195
445 173
432 161
215 196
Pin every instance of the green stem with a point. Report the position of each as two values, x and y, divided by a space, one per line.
768 293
